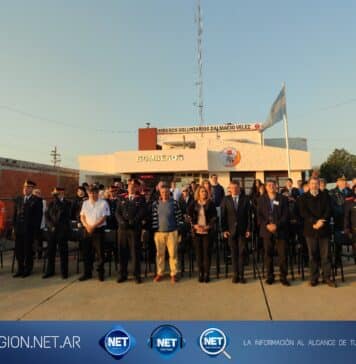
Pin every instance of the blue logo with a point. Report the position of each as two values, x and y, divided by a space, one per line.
213 342
117 342
166 340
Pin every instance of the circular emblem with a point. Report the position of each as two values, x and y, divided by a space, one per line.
118 342
166 340
230 157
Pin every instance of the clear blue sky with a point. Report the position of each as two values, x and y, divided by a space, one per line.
116 64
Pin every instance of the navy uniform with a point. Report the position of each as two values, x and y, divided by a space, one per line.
130 213
26 222
350 219
58 224
338 198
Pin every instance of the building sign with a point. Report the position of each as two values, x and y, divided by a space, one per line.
160 158
230 157
211 128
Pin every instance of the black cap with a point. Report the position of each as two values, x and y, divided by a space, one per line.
29 183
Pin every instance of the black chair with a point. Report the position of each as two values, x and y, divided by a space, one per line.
111 248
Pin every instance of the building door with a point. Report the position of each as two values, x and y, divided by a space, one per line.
245 178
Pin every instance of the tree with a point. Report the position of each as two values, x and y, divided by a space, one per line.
340 162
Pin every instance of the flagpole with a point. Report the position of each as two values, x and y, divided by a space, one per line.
285 119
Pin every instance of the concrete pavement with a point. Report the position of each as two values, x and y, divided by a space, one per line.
55 299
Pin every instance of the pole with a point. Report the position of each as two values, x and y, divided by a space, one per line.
285 119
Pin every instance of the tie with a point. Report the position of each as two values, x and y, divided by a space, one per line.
235 202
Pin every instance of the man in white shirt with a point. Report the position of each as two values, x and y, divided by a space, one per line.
93 217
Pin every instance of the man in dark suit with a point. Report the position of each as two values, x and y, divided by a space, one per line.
58 224
26 222
235 223
316 210
273 217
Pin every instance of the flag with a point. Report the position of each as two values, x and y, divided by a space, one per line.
278 109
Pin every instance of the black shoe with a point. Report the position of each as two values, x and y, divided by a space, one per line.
26 274
235 279
47 275
201 278
101 276
285 282
18 274
138 280
84 277
313 283
121 279
270 281
207 279
64 275
330 283
243 281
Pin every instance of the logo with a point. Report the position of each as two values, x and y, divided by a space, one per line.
230 157
213 342
166 340
117 342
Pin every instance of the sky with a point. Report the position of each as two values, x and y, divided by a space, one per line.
84 75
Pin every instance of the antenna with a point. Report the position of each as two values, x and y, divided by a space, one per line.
199 83
55 157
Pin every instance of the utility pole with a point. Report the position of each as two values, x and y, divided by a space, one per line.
56 159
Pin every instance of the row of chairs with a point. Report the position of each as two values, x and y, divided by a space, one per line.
297 253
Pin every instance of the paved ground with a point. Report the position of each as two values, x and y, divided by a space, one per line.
54 299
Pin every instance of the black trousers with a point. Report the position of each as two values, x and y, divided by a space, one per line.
203 247
57 238
24 251
129 245
270 244
93 244
319 255
238 247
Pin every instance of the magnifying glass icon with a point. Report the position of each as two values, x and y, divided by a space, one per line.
213 342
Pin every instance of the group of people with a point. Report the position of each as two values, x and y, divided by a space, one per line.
168 216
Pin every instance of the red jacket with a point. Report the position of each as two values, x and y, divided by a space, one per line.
2 216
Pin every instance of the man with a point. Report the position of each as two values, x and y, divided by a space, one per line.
93 217
130 214
322 183
273 216
111 222
315 209
166 220
235 216
2 218
193 188
175 191
300 186
217 191
338 196
289 191
58 224
350 219
26 222
78 203
39 236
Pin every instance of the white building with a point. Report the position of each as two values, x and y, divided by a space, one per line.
232 151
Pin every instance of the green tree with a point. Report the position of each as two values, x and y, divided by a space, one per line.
340 162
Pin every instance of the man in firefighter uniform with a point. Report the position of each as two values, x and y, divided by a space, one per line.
130 214
26 222
58 224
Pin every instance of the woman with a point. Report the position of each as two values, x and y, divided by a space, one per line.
202 213
207 185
